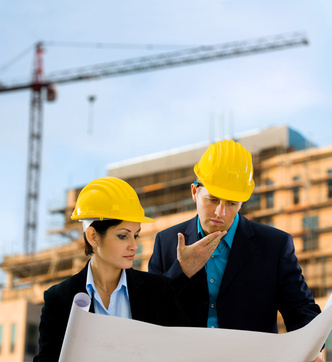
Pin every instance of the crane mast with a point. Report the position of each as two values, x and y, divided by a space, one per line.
34 154
117 68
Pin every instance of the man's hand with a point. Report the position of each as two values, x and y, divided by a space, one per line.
319 358
193 257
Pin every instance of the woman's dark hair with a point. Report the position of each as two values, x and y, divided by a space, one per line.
101 228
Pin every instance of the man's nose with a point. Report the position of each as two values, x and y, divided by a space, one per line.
220 210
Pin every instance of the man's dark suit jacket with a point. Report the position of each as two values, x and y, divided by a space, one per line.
152 299
262 276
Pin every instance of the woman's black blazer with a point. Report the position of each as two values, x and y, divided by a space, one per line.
152 300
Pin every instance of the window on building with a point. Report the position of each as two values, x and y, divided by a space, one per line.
1 339
32 339
310 229
317 292
139 249
269 182
13 337
254 203
329 189
269 200
329 185
267 221
137 264
296 195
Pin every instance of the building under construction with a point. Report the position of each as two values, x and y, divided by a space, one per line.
293 192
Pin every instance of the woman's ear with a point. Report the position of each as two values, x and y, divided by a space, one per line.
92 236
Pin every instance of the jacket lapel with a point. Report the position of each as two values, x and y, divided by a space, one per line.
242 249
80 284
137 299
191 237
190 233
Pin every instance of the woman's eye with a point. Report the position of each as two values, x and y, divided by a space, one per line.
136 236
121 236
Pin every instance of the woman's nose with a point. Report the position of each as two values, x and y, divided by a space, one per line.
133 244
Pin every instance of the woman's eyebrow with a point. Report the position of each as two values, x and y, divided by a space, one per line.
129 231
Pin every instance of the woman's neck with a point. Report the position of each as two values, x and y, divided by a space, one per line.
104 275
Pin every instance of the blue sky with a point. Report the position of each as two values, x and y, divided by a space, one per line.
144 113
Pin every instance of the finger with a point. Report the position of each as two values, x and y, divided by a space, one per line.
319 358
217 235
212 245
181 243
223 233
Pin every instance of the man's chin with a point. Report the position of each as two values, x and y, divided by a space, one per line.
214 228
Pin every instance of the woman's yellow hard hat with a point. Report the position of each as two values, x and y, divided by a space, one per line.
226 171
109 198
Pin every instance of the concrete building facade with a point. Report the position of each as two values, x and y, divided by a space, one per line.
19 320
293 192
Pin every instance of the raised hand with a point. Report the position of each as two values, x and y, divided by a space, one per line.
193 257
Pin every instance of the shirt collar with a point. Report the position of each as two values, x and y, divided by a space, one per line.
228 238
91 288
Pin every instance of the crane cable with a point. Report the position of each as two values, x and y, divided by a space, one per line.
100 45
18 57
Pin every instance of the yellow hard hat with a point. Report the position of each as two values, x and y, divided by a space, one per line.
109 198
226 171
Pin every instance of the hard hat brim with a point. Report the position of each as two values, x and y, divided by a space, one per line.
230 195
144 219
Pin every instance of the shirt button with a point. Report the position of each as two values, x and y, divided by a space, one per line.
212 326
212 256
212 305
211 280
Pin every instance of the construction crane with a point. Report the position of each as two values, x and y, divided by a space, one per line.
112 69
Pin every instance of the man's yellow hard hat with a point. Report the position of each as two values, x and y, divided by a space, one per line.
226 171
109 198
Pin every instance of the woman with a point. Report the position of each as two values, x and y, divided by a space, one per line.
111 214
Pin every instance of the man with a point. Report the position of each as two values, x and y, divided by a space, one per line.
230 272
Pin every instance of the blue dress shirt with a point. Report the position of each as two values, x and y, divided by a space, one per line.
215 268
119 302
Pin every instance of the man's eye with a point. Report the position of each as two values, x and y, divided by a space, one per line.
213 200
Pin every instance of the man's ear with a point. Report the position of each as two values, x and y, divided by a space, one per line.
194 192
92 236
